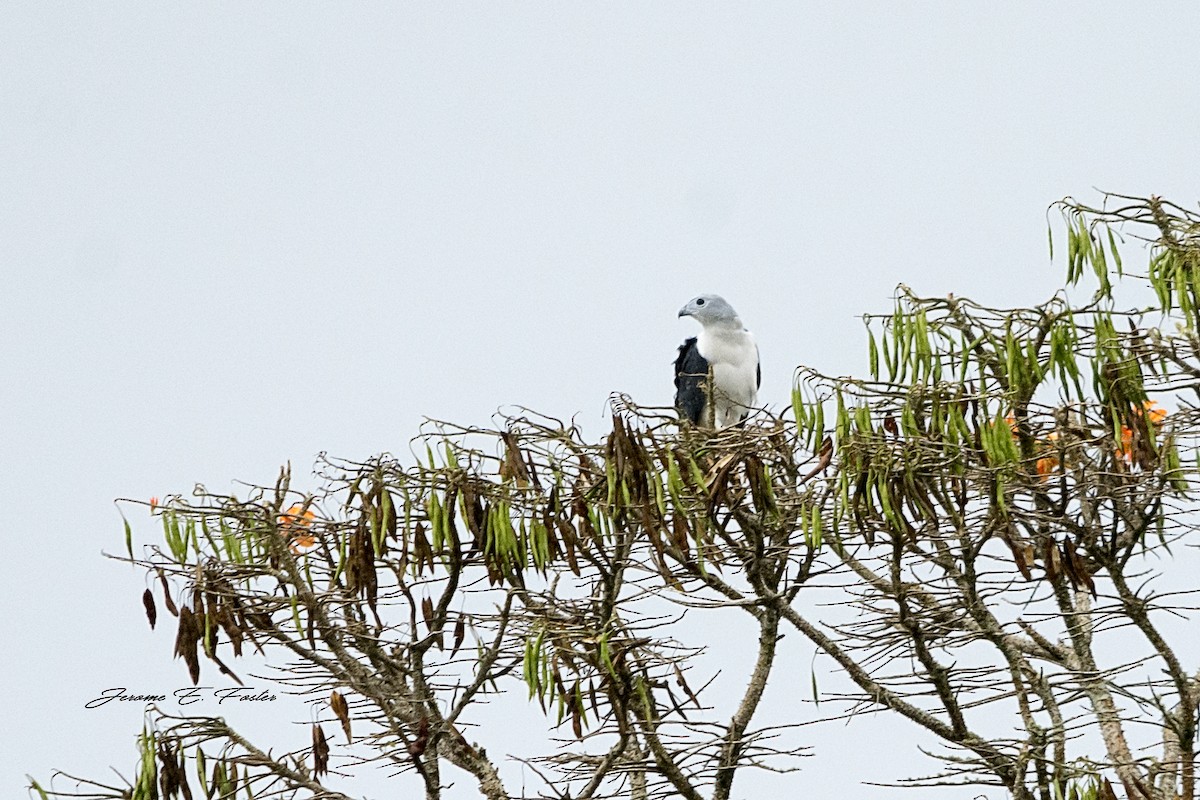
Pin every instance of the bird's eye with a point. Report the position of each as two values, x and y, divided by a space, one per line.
700 301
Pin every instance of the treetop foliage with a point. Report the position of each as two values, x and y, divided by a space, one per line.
984 508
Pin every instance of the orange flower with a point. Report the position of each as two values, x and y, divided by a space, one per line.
297 517
1046 465
1125 448
303 543
295 524
1154 412
153 504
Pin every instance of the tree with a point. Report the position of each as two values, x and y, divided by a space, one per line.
992 503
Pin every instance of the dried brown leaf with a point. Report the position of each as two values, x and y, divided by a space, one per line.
684 685
889 425
151 609
460 633
167 601
342 711
1051 560
417 746
824 459
320 750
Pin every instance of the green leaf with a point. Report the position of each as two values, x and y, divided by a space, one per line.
798 410
1112 248
529 668
606 655
889 360
818 427
873 354
660 500
200 770
437 527
34 785
843 418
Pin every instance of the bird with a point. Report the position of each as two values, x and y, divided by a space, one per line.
725 347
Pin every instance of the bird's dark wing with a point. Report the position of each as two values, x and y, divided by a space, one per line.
691 375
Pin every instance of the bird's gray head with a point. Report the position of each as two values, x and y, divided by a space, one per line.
708 309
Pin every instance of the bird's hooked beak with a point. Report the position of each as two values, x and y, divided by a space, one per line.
683 312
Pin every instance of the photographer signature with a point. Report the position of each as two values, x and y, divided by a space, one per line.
184 697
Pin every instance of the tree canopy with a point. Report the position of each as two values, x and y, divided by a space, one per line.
993 509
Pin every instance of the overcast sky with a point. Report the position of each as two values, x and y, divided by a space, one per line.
233 235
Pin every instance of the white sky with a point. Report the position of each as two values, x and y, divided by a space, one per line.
237 234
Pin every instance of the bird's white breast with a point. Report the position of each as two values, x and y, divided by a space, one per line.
733 355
